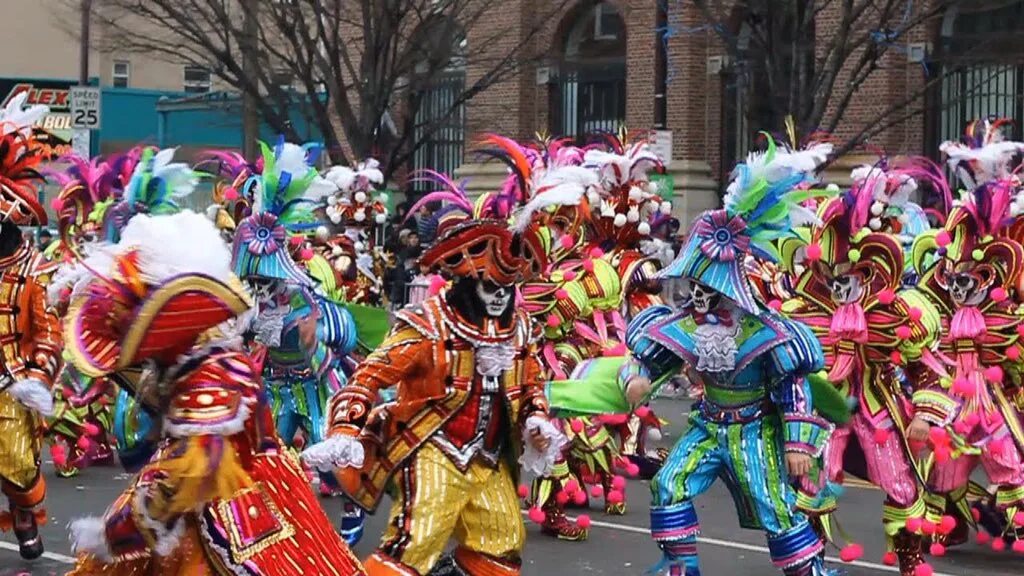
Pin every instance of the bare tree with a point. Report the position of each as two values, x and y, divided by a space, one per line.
356 70
810 58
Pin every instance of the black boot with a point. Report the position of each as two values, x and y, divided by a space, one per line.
907 547
30 543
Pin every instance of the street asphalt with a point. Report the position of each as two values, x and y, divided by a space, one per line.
618 546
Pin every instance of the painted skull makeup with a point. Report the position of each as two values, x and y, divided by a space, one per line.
964 289
704 299
495 298
846 288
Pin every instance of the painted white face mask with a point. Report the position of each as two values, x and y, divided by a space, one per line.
495 297
704 298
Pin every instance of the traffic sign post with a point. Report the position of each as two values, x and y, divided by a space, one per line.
85 107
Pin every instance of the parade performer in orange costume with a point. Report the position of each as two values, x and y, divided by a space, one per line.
29 331
221 495
469 388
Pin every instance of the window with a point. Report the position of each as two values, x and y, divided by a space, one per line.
121 76
197 79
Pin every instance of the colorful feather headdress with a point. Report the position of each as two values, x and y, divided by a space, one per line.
20 157
86 189
156 186
355 200
763 203
284 196
983 154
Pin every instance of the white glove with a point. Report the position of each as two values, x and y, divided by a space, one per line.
335 452
33 394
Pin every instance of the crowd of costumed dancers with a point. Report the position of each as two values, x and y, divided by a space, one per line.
239 360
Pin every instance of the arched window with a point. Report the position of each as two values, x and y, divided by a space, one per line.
590 94
981 60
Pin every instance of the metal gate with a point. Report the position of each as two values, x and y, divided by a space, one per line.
442 138
981 91
589 99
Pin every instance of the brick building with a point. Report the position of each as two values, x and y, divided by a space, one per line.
608 62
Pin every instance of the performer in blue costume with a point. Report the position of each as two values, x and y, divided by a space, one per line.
754 428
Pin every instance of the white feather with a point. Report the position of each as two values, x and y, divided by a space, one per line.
15 117
292 160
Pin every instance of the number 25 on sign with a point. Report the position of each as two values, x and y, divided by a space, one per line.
85 107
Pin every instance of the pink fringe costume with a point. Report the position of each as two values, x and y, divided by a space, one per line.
974 280
849 293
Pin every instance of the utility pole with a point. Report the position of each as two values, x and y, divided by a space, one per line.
83 48
250 116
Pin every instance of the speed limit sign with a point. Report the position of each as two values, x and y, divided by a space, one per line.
85 107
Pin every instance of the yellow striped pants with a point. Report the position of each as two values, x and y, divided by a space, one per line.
20 444
434 501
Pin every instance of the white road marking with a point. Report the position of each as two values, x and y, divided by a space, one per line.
748 547
48 555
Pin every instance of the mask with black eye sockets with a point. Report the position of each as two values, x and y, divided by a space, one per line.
494 298
704 299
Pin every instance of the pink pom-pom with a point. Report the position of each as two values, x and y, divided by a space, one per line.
632 470
614 497
999 294
972 419
887 296
537 516
937 549
927 527
962 428
569 275
567 241
230 194
596 253
618 483
642 412
579 498
571 486
577 426
813 252
895 357
976 514
1018 519
583 521
91 429
306 254
881 436
916 313
851 552
913 524
942 238
59 454
1018 546
56 204
562 498
924 570
553 321
942 454
83 443
437 283
938 436
561 293
295 240
1013 353
596 491
1020 329
903 332
963 387
983 538
998 544
588 265
994 374
523 491
775 304
890 559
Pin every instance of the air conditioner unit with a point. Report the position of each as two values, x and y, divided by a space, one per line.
917 52
716 64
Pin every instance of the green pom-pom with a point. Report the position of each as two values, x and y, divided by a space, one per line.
978 254
853 255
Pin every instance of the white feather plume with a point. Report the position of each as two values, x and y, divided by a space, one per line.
991 162
15 117
563 186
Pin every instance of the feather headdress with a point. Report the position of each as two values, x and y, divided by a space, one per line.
763 203
20 157
355 200
982 154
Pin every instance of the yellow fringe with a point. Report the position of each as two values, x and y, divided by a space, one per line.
193 481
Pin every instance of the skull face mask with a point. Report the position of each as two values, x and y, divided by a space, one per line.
964 290
704 299
846 288
495 298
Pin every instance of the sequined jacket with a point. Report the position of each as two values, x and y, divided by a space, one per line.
30 337
430 357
